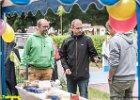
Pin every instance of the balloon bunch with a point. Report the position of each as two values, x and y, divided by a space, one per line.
6 31
122 14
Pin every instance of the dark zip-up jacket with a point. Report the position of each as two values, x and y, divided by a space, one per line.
10 68
76 53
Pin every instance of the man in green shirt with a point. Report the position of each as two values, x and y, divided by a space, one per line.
39 54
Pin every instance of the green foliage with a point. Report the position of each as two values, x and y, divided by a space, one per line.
60 11
20 23
39 15
53 18
97 40
23 22
59 39
93 94
92 16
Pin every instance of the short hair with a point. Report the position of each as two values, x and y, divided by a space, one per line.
39 22
73 22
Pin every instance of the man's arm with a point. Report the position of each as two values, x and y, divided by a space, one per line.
24 57
111 74
113 59
52 55
63 55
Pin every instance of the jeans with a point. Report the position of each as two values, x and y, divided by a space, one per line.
82 84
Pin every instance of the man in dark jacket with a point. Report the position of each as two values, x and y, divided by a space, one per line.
10 68
76 53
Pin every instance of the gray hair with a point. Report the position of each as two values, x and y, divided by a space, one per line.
39 22
74 21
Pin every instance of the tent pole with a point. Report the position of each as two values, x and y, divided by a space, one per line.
2 67
138 30
3 85
0 53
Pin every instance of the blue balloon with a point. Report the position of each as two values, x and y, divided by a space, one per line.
109 2
68 1
21 2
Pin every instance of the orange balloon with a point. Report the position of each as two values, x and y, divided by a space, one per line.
9 35
123 10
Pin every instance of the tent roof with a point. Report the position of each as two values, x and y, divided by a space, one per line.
44 5
9 2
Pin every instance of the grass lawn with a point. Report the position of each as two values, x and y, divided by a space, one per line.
94 94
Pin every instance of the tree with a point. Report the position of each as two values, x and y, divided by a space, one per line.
60 12
20 23
30 20
53 18
92 16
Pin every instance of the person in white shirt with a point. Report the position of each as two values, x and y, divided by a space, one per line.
105 54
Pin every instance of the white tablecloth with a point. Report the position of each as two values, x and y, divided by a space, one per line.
25 95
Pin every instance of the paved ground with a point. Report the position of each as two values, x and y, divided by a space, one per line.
105 88
100 86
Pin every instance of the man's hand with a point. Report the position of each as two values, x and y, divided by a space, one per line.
22 72
110 80
68 71
111 74
96 59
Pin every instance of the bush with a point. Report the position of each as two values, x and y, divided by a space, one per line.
97 40
59 39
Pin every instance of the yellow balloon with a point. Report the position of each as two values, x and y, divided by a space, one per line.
9 35
123 10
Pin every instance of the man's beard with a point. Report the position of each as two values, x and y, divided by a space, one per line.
79 33
44 32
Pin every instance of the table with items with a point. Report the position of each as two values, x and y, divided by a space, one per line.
44 90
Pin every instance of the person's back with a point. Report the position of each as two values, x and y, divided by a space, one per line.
127 51
123 58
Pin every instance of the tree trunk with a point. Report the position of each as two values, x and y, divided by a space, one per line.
61 25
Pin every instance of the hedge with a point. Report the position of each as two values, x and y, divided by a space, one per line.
97 40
